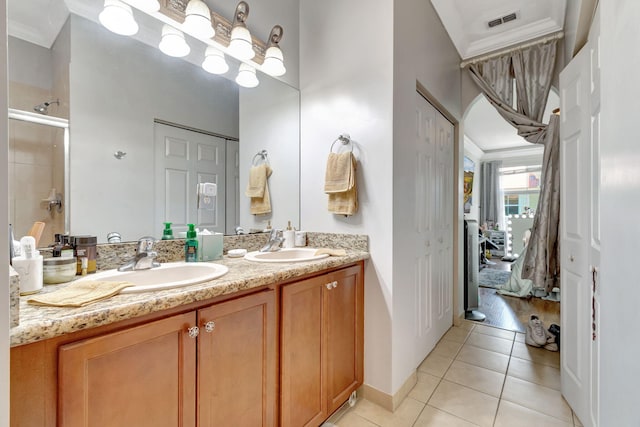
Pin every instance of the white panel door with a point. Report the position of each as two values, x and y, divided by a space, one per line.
576 280
433 224
184 158
443 309
424 227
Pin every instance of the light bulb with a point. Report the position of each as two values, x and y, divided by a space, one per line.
247 76
173 42
117 17
214 61
273 62
198 19
241 45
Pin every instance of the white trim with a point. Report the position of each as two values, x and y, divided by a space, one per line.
27 116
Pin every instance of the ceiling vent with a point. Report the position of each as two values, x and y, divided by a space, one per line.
502 20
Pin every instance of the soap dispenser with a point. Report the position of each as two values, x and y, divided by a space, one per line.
191 245
289 236
167 234
29 266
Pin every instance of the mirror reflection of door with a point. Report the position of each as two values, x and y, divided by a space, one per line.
183 159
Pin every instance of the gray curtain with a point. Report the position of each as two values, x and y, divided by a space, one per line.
532 69
490 191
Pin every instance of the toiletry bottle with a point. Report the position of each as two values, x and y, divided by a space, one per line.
191 245
267 229
289 236
66 250
29 266
57 246
167 234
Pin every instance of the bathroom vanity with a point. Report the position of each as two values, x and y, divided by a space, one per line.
266 344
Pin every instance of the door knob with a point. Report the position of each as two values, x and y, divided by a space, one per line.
193 332
209 326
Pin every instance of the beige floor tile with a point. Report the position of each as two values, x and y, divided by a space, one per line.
512 415
527 370
499 345
468 325
494 332
475 377
483 358
351 419
576 420
519 337
457 334
405 415
435 365
424 388
465 403
446 348
432 417
536 397
535 354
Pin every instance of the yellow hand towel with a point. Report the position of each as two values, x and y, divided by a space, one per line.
80 293
331 252
260 201
257 180
343 165
340 175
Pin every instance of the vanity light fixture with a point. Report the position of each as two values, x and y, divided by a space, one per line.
214 61
173 42
247 76
118 18
197 19
145 5
273 59
241 44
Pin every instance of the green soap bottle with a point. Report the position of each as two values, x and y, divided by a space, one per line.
191 245
167 234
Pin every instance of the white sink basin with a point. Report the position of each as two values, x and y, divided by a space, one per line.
285 255
167 276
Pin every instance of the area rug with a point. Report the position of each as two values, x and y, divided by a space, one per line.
492 278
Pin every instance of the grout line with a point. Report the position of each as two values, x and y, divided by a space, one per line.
506 374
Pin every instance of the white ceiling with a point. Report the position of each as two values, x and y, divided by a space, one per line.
466 22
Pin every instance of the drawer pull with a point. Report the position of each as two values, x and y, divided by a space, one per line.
329 285
209 326
193 332
334 285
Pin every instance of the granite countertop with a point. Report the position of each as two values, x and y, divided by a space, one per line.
40 323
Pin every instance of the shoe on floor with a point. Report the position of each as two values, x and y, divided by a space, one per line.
536 332
552 346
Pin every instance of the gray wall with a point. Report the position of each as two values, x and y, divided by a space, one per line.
30 64
118 86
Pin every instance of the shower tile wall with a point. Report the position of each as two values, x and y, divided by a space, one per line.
36 164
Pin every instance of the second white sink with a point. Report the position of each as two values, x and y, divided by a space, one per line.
167 276
286 255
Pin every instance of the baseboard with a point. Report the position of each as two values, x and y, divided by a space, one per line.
387 401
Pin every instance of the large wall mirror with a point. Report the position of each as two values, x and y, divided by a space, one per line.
144 129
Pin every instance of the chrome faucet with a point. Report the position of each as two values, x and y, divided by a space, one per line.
275 239
145 256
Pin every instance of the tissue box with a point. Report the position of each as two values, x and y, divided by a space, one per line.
210 246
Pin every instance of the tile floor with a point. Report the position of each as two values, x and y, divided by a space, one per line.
477 375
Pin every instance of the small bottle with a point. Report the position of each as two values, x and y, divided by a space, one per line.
167 234
191 245
267 229
289 235
66 250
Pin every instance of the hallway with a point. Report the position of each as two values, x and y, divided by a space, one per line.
477 375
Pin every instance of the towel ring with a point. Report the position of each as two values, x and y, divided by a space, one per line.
260 155
345 139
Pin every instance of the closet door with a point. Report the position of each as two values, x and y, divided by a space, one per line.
433 224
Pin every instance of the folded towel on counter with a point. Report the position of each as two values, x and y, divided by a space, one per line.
258 189
258 180
340 175
80 293
331 252
340 183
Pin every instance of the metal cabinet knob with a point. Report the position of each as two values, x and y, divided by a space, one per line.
193 332
329 285
209 326
334 285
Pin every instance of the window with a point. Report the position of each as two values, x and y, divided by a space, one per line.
521 187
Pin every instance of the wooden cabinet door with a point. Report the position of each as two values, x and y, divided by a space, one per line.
302 388
321 345
142 376
344 305
237 362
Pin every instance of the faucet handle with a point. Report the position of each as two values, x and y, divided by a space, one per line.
145 244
